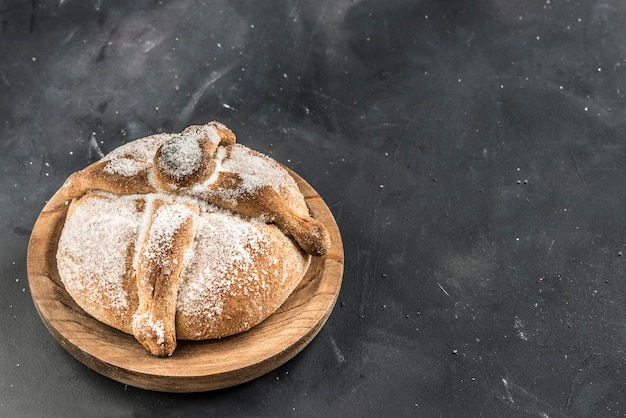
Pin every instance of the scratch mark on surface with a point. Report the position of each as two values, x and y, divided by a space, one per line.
506 388
521 399
580 175
69 36
185 114
444 290
550 248
338 354
327 97
5 80
575 382
571 393
94 148
294 14
150 44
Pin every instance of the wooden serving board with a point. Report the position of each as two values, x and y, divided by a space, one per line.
195 366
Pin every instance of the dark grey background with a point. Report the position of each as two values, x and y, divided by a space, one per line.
471 151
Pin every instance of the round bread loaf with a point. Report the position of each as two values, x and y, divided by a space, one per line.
185 236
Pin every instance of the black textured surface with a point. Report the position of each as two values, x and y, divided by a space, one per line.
472 153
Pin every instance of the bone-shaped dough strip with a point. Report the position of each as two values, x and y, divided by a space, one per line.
268 205
129 175
100 176
160 265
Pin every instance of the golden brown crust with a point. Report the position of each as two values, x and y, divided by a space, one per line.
92 251
97 176
226 136
188 160
265 203
275 268
164 165
160 266
236 272
185 236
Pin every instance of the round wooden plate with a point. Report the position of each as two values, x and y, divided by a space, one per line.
195 366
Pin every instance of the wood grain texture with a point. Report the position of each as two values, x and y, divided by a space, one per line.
196 365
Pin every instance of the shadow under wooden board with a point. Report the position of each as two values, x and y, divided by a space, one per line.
195 366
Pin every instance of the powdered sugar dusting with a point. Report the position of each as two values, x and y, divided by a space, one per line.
110 234
213 135
223 247
231 258
255 170
140 149
166 221
98 240
220 154
157 327
180 157
126 167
